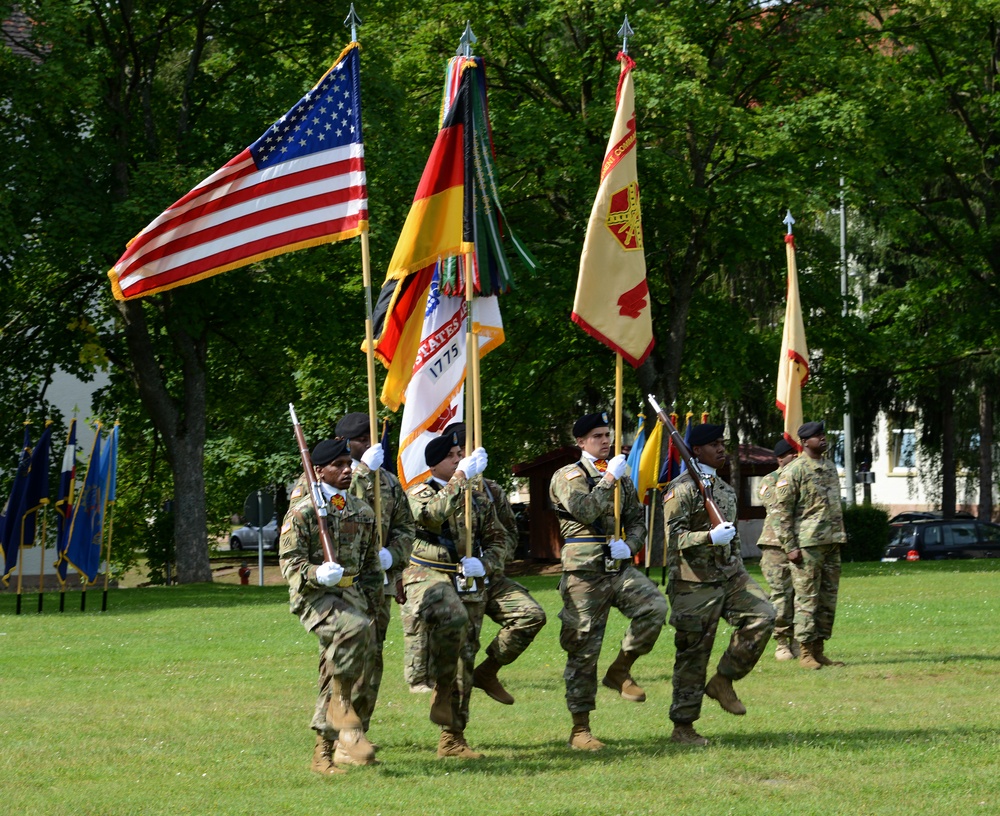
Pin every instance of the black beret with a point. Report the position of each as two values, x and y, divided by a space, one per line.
783 448
585 424
811 429
352 426
438 449
328 450
456 428
705 433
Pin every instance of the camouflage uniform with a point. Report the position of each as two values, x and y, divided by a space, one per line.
774 564
586 505
398 530
452 621
341 616
706 583
810 518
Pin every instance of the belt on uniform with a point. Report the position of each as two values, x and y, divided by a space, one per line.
586 540
439 566
348 580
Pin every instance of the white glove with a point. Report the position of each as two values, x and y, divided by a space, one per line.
385 558
722 533
617 466
619 549
374 456
473 568
467 464
329 573
473 464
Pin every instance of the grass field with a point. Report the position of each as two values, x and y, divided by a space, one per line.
197 699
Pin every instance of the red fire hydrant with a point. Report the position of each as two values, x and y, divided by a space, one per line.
244 573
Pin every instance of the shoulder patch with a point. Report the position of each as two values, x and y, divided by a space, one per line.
296 493
419 490
763 489
286 527
781 483
668 496
574 474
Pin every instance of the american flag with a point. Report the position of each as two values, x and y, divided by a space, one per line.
300 184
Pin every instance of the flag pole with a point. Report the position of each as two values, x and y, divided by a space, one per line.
352 22
107 571
473 428
20 565
618 441
41 560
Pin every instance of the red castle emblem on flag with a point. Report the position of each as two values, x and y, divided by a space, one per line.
624 218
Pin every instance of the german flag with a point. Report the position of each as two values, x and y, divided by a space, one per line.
435 227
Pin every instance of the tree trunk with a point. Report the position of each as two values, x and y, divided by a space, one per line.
985 454
181 424
948 488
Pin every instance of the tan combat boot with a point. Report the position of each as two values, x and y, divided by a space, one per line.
352 742
619 679
347 752
485 678
820 654
783 651
684 734
721 689
808 659
441 705
453 744
323 758
580 738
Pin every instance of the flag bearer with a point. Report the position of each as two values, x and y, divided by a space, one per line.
598 574
444 587
396 521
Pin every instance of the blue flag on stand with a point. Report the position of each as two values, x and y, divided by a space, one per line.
10 520
83 550
36 488
64 500
635 455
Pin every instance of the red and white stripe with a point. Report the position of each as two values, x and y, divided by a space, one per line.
241 214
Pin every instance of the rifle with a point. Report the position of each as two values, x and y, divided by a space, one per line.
714 514
315 491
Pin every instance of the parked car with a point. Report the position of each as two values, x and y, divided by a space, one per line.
245 538
914 515
935 539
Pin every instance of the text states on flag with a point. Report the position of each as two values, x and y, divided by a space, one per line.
433 396
302 183
612 295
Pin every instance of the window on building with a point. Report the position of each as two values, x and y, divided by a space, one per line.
904 448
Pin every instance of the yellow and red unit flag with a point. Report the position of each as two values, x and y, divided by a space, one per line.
612 296
793 362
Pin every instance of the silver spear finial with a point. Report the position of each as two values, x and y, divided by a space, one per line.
352 21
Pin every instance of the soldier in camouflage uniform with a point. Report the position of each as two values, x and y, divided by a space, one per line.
332 599
774 562
508 604
396 520
811 532
707 581
598 575
437 569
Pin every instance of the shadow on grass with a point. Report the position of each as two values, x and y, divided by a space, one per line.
144 599
554 756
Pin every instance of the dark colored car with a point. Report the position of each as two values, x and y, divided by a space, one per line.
935 539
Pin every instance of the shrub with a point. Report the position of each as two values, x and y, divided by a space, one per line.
867 527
